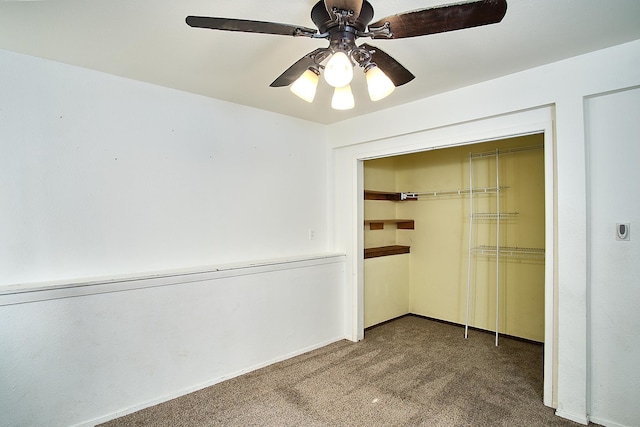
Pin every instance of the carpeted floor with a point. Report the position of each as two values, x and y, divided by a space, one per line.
408 372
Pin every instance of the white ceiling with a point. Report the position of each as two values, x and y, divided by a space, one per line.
148 40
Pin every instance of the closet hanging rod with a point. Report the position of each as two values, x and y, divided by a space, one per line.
506 151
461 192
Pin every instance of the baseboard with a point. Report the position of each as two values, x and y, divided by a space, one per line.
606 423
447 322
582 419
368 328
182 392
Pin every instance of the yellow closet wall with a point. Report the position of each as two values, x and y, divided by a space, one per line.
386 291
437 264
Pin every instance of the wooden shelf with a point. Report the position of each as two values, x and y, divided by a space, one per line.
378 224
389 196
401 224
386 251
381 195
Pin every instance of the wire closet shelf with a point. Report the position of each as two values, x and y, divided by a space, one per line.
497 251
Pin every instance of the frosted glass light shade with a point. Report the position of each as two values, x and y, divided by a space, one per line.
379 85
306 85
339 70
342 98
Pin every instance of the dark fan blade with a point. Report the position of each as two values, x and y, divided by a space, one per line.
392 68
246 26
309 60
355 5
442 19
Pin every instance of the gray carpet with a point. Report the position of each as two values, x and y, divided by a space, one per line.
408 372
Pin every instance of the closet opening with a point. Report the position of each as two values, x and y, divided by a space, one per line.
458 235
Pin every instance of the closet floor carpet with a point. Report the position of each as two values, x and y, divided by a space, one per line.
408 372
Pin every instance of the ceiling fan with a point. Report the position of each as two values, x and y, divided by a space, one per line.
342 22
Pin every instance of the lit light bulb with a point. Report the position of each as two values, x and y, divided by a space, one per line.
379 85
339 70
342 98
305 86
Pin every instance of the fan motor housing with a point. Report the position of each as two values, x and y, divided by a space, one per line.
324 21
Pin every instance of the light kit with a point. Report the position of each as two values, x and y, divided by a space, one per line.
338 73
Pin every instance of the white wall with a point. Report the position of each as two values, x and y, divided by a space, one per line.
121 204
438 120
613 149
104 176
85 354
